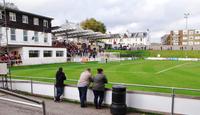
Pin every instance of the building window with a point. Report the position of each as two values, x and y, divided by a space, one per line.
12 16
184 43
33 53
35 21
36 36
59 53
25 33
45 23
196 43
45 37
190 43
191 32
12 34
197 37
47 53
25 19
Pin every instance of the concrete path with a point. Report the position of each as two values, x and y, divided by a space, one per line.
62 108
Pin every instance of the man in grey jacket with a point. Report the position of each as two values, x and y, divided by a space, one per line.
99 82
83 83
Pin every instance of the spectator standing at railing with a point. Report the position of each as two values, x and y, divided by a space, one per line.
94 53
83 83
60 77
99 82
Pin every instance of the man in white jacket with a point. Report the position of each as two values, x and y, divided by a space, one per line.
83 83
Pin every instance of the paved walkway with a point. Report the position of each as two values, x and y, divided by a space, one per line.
62 108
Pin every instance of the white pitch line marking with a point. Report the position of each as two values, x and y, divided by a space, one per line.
123 72
170 68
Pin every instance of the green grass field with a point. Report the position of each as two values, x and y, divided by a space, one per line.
180 74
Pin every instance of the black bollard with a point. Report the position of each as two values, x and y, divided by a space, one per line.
118 106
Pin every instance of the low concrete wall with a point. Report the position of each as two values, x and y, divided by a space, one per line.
144 101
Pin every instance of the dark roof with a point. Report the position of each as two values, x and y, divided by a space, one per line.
115 35
28 13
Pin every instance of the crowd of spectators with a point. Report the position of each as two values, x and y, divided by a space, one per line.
12 58
78 49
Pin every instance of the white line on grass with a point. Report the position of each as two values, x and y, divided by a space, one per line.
170 68
122 72
132 63
53 68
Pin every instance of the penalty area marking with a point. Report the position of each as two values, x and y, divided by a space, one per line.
170 68
122 72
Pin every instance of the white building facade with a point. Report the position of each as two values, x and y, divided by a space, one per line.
192 38
40 55
129 39
24 37
182 37
28 39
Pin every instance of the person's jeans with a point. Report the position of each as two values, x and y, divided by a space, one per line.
98 98
59 92
83 95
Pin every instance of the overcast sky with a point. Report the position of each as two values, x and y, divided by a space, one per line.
160 16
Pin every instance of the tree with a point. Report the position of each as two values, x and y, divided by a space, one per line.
94 25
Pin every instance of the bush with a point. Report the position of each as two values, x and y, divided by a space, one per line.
154 53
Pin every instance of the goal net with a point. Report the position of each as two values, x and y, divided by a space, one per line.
109 57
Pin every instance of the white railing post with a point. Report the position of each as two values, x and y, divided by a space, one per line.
31 86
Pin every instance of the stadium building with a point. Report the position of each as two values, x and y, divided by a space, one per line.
80 43
28 38
182 37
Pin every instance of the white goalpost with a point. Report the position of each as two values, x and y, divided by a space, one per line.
105 57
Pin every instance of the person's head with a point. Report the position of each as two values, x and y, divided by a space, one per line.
88 69
99 71
60 69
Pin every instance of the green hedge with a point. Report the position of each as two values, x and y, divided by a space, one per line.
154 53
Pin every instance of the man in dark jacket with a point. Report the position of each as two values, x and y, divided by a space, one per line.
60 77
99 82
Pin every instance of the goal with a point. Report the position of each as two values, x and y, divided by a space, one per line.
105 57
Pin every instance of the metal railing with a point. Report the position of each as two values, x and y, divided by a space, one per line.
5 79
38 103
172 89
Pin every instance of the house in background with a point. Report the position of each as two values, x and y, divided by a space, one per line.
28 38
182 37
133 39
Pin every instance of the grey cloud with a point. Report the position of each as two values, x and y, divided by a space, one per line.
120 15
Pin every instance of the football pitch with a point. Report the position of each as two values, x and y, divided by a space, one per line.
181 74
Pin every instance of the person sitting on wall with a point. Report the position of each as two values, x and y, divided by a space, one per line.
99 82
60 77
83 83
